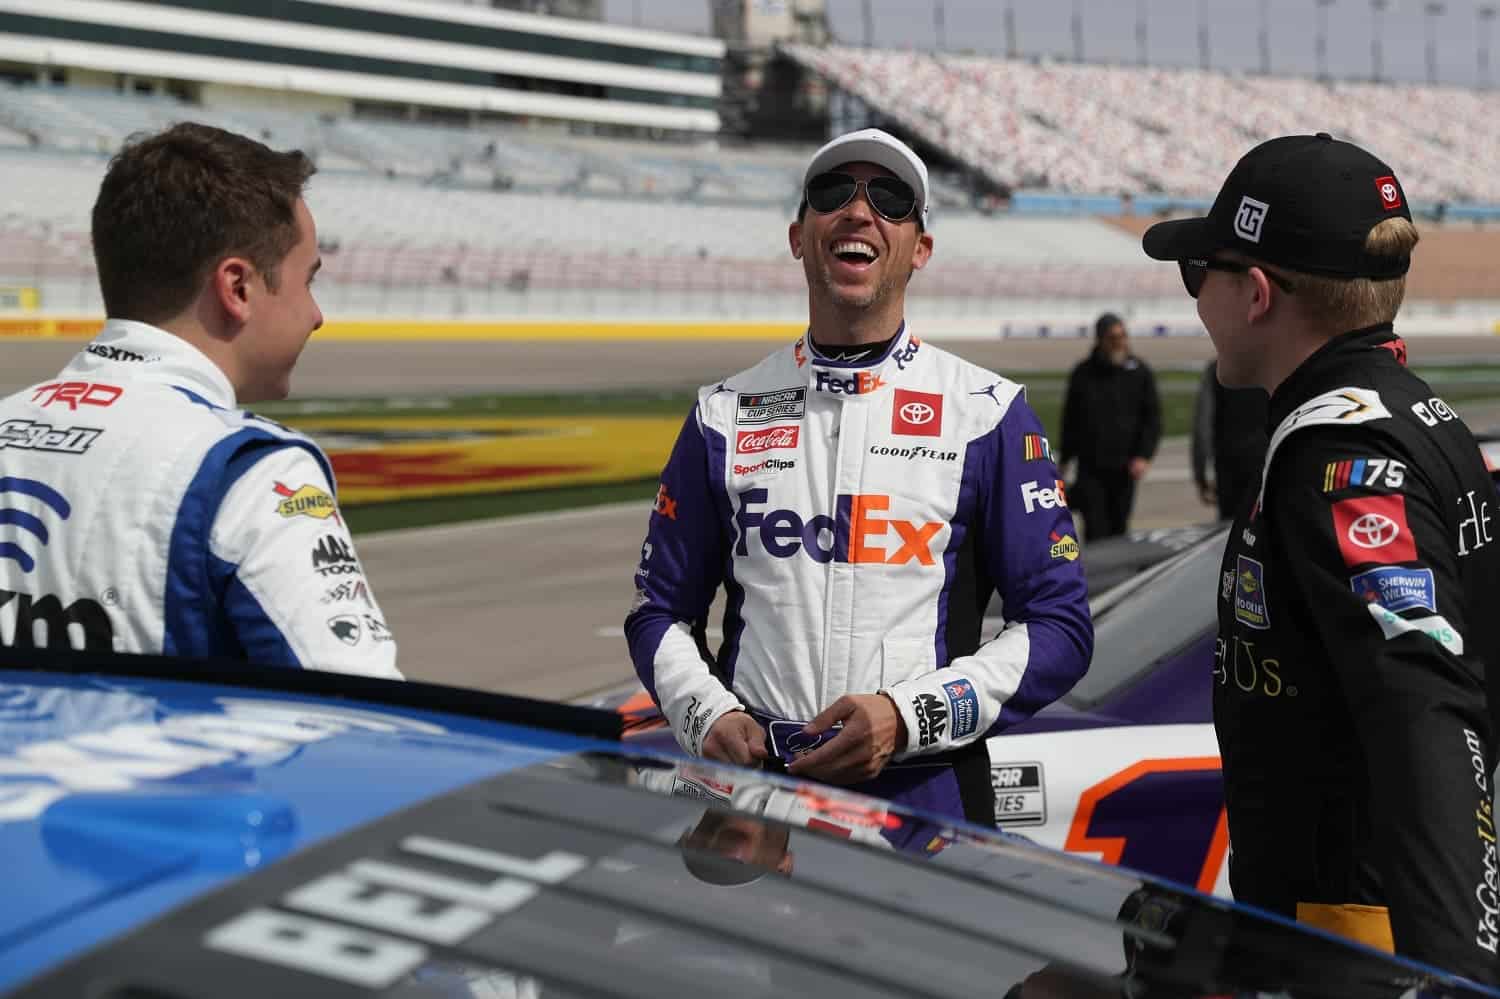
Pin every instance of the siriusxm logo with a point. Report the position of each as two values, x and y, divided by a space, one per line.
858 383
29 522
856 535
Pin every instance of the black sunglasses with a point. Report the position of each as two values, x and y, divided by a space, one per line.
1195 272
893 199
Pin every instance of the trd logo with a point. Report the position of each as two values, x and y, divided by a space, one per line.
76 394
92 622
1035 496
859 383
783 533
334 557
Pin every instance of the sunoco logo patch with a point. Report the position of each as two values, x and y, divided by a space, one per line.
764 407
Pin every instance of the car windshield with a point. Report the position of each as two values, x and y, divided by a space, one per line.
1148 617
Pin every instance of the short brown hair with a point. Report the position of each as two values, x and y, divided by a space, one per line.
1354 304
175 203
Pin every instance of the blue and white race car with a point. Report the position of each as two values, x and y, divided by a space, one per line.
182 829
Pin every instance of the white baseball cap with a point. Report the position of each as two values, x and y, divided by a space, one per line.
871 145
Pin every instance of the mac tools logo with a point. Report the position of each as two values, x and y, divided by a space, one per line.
1250 218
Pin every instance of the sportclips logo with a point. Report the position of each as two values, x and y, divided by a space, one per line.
856 535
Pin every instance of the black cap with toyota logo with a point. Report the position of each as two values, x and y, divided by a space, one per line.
1303 202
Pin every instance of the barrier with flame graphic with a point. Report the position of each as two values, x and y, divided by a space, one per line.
380 459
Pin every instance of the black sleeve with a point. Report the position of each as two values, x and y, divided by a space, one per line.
1364 537
1072 418
1148 436
1202 445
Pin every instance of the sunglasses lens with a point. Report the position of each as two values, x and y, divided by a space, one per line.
828 192
1193 274
891 197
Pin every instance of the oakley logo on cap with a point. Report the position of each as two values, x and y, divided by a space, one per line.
1249 219
1390 194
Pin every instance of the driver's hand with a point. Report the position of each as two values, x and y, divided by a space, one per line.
736 738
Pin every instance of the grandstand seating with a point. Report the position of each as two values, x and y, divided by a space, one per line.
503 213
1117 129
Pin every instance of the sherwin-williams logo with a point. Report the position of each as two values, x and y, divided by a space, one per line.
1250 593
1396 589
963 707
856 536
767 407
306 501
756 441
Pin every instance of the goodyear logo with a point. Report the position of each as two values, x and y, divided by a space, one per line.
305 501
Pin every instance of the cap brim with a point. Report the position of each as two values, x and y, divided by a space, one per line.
1179 239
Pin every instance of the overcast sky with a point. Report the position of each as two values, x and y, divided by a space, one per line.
1044 26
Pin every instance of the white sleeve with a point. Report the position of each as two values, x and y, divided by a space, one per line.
297 589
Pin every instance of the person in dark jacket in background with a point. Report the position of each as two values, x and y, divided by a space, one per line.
1111 426
1229 430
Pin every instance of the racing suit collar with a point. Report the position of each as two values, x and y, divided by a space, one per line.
903 335
1296 388
164 356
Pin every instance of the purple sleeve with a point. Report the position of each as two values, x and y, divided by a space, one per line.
1030 549
682 559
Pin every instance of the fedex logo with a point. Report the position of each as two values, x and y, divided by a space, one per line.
1035 496
74 394
856 534
858 383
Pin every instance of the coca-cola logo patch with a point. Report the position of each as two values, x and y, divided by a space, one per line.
758 441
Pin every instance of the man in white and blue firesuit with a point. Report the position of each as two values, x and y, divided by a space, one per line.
140 509
860 495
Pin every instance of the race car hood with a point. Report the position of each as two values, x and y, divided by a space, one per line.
173 838
122 797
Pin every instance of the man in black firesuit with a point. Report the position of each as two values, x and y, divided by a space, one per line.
1111 424
1358 634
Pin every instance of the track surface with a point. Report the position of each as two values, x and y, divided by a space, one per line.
534 605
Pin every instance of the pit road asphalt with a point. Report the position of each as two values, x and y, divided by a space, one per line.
534 605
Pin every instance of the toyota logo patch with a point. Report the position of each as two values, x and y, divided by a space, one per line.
1390 194
1373 530
918 414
